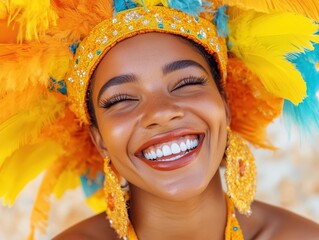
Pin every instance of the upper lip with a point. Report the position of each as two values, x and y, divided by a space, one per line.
166 137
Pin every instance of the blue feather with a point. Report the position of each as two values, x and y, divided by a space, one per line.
55 85
73 47
121 5
191 7
221 21
306 114
91 186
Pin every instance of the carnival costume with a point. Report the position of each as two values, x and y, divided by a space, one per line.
267 54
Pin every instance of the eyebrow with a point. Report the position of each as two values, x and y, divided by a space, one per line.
181 64
118 80
129 78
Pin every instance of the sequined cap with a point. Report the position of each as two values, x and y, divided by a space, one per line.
130 23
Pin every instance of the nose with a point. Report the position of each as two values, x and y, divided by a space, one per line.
160 111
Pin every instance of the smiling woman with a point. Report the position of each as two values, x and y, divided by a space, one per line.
160 95
166 104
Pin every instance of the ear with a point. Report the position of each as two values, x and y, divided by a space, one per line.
227 109
98 141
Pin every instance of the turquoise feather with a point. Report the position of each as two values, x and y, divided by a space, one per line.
187 6
91 186
221 21
306 114
121 5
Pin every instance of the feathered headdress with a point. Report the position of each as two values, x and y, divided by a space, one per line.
48 49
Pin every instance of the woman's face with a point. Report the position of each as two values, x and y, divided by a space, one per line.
160 116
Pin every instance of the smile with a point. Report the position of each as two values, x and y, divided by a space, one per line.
172 150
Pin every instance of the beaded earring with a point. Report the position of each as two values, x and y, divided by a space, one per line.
240 173
116 208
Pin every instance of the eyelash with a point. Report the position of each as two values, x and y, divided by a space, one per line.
191 80
108 103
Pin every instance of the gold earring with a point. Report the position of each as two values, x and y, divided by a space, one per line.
116 208
240 173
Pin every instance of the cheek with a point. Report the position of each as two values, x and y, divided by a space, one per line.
210 107
211 110
116 132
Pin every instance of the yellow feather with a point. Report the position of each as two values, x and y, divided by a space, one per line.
97 202
42 205
152 2
24 165
67 180
263 41
33 17
59 66
24 127
309 8
3 11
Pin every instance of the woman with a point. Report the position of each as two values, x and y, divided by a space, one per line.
161 121
178 196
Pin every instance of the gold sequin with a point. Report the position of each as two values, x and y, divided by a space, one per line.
240 173
131 23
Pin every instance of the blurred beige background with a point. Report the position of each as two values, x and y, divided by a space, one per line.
288 178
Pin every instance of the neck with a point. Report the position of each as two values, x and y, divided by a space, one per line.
200 217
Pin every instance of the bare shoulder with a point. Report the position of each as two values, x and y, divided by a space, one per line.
94 228
275 223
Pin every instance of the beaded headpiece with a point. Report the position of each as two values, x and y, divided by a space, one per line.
267 54
127 24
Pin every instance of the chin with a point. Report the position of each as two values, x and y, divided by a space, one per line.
186 187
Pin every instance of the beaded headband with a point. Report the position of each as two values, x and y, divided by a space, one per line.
128 24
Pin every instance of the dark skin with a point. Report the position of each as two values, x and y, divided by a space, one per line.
188 202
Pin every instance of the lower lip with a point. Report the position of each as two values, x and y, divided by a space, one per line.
175 164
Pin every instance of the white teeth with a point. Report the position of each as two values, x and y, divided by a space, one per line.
183 146
175 148
166 150
159 153
148 156
195 143
153 154
188 143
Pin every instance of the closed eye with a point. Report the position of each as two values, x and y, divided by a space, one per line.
116 99
191 80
